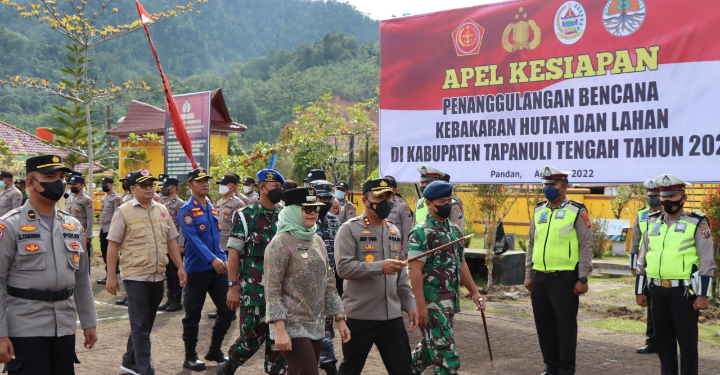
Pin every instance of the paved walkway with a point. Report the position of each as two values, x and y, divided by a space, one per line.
513 338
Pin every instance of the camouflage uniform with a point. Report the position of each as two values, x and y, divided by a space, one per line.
441 280
253 227
327 228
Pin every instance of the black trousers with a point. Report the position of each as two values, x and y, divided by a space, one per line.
555 307
144 297
198 285
104 249
174 290
676 324
392 342
43 356
650 330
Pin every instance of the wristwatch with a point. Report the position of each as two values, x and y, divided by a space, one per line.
232 283
344 317
583 280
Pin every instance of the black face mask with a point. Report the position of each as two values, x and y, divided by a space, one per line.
422 189
382 209
275 195
126 186
53 190
74 189
444 210
165 192
325 209
672 207
105 189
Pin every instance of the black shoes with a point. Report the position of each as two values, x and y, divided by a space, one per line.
647 349
174 306
330 368
224 368
191 359
165 305
212 315
215 352
102 281
121 301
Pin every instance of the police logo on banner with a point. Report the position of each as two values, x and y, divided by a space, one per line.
521 34
624 17
570 22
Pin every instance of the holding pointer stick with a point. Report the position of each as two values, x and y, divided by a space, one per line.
438 248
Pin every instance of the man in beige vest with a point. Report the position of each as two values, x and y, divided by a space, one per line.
143 231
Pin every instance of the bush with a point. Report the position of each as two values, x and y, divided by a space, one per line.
599 238
711 208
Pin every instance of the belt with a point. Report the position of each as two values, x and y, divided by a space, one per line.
669 283
41 295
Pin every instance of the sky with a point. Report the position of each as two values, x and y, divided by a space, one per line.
384 9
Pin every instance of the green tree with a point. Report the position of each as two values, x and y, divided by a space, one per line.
621 201
711 208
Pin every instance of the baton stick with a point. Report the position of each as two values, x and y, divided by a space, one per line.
438 248
487 337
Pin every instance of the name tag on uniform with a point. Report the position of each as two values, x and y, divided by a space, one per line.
543 217
680 227
560 214
303 252
655 230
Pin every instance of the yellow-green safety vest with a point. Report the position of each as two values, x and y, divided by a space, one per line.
671 250
556 244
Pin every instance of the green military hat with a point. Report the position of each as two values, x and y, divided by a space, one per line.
428 173
46 164
669 184
551 175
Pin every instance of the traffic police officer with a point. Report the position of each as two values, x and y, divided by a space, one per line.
109 203
254 226
173 203
20 185
557 265
376 288
436 282
127 195
401 215
676 263
327 228
429 174
342 207
249 191
206 267
43 263
82 207
641 224
10 196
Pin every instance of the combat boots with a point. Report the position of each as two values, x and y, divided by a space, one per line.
191 359
224 368
215 352
174 302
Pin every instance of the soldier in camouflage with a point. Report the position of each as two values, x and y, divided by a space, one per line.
436 281
327 227
253 227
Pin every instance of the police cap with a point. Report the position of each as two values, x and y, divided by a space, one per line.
228 178
322 188
315 174
169 181
428 173
342 185
669 184
20 182
377 186
248 180
76 180
652 189
107 180
44 164
197 174
393 183
551 175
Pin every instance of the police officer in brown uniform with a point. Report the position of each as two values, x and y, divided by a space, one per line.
44 278
109 203
249 191
10 196
368 256
143 232
226 206
82 206
127 195
342 207
401 215
168 189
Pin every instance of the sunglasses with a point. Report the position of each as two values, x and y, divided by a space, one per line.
146 186
311 209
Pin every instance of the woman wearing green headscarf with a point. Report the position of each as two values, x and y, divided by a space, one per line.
300 285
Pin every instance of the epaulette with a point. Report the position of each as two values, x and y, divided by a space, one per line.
541 204
656 213
10 213
63 211
698 214
642 208
576 204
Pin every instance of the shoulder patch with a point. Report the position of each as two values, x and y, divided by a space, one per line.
586 218
576 204
698 214
656 213
705 229
188 219
541 204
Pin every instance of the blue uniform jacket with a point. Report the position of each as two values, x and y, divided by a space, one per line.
201 229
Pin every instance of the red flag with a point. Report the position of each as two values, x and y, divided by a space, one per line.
177 121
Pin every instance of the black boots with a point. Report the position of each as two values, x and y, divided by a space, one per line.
191 359
330 368
174 302
215 352
225 368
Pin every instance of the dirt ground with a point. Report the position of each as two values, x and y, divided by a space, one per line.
512 336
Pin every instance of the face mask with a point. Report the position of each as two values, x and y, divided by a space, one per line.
551 193
53 190
105 189
382 209
247 189
422 189
2 184
126 186
165 192
325 209
672 207
275 195
654 202
444 210
74 190
339 194
223 189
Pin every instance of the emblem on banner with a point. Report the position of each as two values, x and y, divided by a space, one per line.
624 17
521 34
186 107
467 38
570 22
